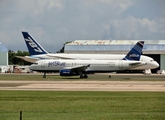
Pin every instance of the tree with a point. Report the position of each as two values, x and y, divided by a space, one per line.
13 60
11 55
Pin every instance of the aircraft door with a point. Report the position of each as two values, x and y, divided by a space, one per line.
43 64
120 64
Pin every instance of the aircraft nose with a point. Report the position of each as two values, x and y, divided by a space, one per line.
31 67
155 65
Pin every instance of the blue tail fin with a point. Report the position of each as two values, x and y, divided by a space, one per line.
33 46
135 52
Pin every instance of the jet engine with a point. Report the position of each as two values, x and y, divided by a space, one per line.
66 72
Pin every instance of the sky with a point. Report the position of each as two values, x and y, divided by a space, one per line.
55 22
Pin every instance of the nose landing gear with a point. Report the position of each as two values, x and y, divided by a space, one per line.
44 76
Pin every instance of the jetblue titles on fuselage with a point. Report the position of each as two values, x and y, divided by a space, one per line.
56 63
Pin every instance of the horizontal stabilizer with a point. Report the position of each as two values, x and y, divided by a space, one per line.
137 63
28 59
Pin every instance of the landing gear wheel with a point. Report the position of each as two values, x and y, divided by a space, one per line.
44 76
81 76
85 76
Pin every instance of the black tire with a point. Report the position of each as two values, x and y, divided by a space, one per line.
85 76
81 76
44 76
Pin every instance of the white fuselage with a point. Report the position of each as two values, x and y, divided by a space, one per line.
94 65
150 63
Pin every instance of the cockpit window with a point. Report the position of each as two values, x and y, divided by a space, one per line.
151 60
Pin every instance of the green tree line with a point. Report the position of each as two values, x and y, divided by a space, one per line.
13 60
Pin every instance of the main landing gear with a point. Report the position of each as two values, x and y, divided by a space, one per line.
83 76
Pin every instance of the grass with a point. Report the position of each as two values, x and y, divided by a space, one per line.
69 105
57 105
91 77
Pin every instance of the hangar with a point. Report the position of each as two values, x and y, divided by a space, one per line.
152 48
3 58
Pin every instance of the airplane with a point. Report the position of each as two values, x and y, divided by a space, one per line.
82 67
37 52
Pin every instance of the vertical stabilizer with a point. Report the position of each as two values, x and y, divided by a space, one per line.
33 46
135 52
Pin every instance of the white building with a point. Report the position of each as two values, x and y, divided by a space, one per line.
3 58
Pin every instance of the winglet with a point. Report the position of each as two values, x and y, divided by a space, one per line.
33 46
135 52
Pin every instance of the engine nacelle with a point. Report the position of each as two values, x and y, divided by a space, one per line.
67 73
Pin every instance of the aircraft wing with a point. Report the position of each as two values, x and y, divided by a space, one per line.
61 57
31 60
78 68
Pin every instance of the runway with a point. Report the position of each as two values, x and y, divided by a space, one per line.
154 86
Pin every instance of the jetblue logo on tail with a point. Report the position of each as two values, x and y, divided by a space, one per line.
33 45
133 55
135 52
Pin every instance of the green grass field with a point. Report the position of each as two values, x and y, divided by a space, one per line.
56 105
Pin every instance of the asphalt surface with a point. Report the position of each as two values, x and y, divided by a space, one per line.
154 86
